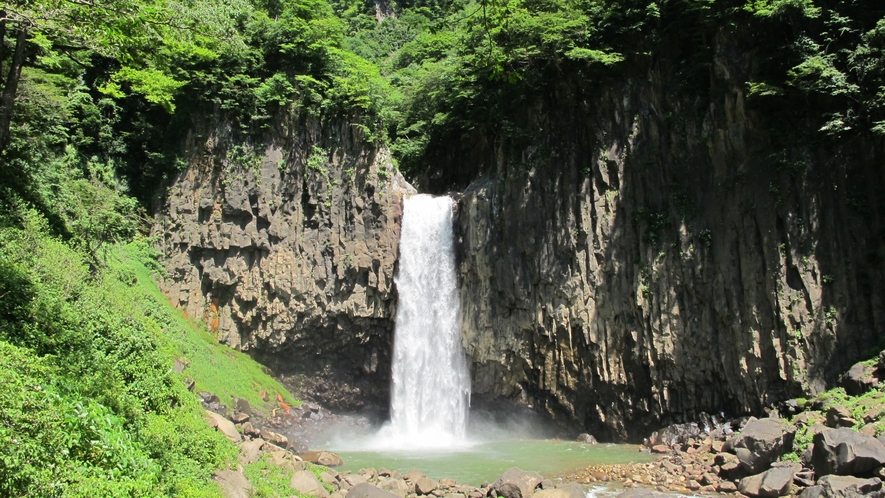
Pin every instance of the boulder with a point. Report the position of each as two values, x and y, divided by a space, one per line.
413 475
275 438
208 397
516 483
243 406
843 487
846 452
224 426
233 484
586 438
425 486
250 451
396 486
763 441
180 365
239 418
839 416
366 490
250 430
859 379
726 487
769 484
306 483
322 457
355 479
283 459
569 490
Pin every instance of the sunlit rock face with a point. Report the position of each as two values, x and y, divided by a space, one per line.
287 249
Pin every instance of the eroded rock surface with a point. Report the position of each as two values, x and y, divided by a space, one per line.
288 248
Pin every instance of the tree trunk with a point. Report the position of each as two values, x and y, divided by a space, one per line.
2 40
7 99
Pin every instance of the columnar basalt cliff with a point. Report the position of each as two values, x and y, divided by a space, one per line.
288 249
649 256
652 251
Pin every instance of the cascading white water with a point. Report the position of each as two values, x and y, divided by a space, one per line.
431 384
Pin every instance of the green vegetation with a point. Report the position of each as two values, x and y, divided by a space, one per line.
97 99
89 403
871 404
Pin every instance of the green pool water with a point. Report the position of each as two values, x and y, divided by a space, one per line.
485 461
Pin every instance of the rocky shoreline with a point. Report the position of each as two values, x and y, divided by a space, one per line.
823 447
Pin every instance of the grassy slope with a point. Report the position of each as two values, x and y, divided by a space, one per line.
88 398
215 367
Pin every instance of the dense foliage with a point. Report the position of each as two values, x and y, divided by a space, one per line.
97 97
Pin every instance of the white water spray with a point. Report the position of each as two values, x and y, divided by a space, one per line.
431 384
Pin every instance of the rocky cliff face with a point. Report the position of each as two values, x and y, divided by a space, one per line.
650 256
651 252
288 249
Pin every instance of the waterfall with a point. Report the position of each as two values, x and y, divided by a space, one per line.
431 383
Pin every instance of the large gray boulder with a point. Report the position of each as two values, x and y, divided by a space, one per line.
516 483
833 486
366 490
762 442
846 452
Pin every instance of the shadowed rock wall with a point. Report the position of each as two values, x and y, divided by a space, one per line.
648 256
288 249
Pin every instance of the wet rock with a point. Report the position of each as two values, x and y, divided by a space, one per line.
306 483
516 483
322 457
846 452
762 441
366 490
224 426
586 438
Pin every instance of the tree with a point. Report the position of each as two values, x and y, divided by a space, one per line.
141 37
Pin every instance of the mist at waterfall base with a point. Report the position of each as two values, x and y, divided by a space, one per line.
432 426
